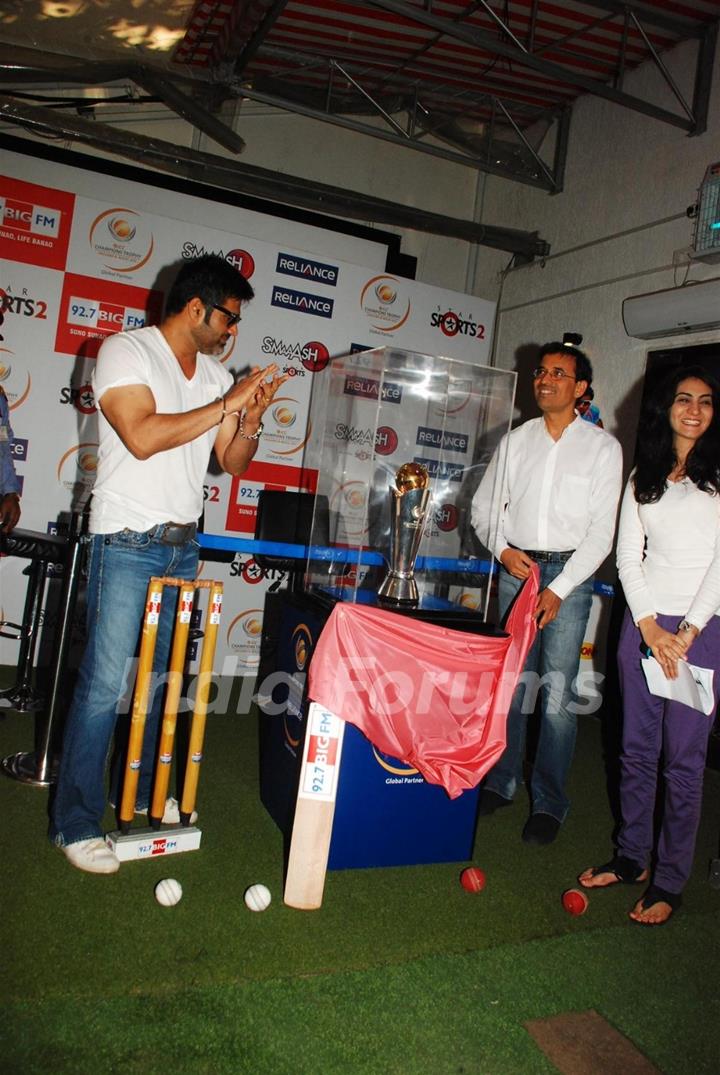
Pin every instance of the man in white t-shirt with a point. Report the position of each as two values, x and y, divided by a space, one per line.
549 496
164 404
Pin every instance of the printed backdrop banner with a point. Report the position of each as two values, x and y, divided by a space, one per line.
74 270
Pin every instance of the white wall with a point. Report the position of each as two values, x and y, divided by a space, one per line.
629 180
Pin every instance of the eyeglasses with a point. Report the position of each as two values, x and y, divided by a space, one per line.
556 374
232 319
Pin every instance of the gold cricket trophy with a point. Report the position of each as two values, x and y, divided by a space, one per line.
408 509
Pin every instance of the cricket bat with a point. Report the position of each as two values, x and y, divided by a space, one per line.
314 809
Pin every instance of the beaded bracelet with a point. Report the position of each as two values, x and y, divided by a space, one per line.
248 436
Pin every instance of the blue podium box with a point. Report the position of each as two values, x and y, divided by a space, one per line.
386 814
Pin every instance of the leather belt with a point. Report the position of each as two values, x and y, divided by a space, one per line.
174 533
543 556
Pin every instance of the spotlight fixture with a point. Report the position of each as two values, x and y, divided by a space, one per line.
571 339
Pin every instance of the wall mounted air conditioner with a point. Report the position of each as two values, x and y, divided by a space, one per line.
693 308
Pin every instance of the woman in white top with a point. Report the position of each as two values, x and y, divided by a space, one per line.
669 564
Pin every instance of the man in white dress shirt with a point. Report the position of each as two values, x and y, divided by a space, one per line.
549 496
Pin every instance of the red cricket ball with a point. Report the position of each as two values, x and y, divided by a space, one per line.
472 879
575 902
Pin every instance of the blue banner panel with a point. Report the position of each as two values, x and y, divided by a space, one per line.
386 814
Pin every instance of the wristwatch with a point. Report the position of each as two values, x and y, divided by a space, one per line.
685 625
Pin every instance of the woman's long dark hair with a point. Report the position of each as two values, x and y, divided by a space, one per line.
655 456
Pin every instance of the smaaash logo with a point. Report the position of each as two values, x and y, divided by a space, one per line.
240 259
312 356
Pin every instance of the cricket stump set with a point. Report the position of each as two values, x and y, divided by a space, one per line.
319 774
151 842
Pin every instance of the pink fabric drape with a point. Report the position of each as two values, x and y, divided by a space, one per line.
437 699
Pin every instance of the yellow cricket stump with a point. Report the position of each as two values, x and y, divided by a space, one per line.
153 606
176 668
202 693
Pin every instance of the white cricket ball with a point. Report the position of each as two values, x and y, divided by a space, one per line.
168 892
257 897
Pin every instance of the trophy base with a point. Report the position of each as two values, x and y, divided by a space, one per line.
397 590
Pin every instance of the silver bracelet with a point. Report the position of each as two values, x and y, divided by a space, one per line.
221 399
248 436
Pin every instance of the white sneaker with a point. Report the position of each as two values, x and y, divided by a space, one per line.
93 856
171 815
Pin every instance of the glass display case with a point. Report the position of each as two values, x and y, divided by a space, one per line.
398 444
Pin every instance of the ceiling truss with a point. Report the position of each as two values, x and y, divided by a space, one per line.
492 123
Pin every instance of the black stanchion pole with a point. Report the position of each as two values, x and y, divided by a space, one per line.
36 767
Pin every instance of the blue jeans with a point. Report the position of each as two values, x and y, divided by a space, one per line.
551 665
121 566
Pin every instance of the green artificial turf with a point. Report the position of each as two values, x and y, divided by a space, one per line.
400 971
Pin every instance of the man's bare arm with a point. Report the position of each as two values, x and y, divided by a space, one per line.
131 411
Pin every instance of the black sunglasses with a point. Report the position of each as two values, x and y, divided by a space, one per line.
232 319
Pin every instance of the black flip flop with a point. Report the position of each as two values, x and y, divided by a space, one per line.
624 869
654 895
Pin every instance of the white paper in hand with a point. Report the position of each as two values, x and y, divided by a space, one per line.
693 686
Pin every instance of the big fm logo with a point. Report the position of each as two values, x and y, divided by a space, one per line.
242 260
304 303
92 309
27 219
316 271
107 317
122 239
452 324
34 223
384 303
370 388
312 356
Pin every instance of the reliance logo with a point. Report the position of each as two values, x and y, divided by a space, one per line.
452 472
302 302
369 388
445 440
308 270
